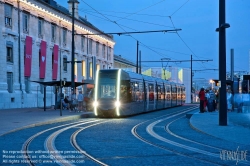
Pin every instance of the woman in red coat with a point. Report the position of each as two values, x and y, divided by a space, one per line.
202 99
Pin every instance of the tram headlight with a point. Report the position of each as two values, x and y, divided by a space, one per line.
95 104
117 104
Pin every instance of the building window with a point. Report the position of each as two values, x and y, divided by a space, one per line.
75 71
8 15
53 32
82 42
64 36
90 69
97 49
64 64
27 84
109 53
103 51
90 46
40 27
10 81
9 52
84 69
25 22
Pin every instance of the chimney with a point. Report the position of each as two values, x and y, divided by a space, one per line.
70 2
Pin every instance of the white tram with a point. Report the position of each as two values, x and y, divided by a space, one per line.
122 93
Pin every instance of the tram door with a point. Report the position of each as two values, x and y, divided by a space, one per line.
151 96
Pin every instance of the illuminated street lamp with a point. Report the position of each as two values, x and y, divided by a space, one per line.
212 83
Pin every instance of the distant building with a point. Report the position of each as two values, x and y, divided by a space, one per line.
122 63
36 46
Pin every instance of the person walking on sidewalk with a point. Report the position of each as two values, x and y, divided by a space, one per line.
202 99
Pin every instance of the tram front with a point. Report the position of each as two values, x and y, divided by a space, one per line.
107 92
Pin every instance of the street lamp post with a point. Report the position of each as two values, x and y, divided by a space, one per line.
222 65
73 45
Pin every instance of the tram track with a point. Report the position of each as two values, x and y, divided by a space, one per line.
77 147
26 144
195 142
149 129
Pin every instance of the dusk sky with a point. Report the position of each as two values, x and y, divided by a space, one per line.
198 20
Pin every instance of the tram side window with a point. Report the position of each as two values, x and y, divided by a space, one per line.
174 92
183 93
179 93
160 92
141 92
124 93
136 88
151 92
168 92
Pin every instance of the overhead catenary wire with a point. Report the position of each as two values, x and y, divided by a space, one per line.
138 21
115 22
140 10
184 41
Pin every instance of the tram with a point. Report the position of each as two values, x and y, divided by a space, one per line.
123 93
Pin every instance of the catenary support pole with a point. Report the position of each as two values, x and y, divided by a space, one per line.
222 65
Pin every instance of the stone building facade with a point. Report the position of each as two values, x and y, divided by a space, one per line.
36 45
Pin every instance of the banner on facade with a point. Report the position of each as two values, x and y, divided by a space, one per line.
55 62
42 57
28 56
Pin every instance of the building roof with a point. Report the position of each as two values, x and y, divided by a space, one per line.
118 58
53 4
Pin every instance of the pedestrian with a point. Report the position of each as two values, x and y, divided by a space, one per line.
80 101
66 101
72 101
202 99
229 100
206 101
211 100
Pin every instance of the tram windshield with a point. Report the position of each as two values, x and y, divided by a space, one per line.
107 85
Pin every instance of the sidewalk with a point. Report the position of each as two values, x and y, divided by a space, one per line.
16 119
237 129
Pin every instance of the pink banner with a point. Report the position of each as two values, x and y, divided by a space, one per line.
55 62
42 57
28 56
